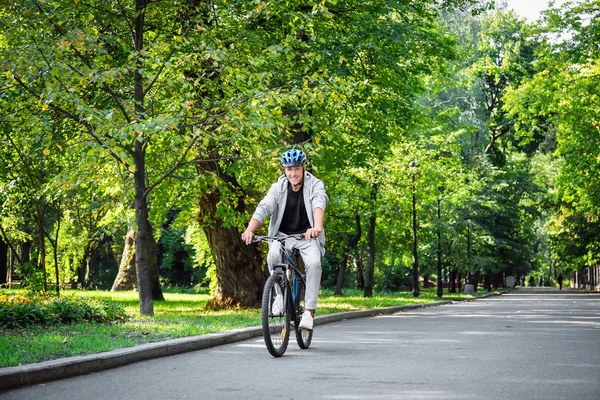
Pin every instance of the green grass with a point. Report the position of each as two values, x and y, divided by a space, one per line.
180 315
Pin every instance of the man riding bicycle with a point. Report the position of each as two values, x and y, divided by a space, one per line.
296 204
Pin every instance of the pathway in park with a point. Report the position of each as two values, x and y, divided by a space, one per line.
526 344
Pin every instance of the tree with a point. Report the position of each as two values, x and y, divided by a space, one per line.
26 183
172 98
561 100
323 77
99 75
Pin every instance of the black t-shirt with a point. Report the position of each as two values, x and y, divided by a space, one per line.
294 219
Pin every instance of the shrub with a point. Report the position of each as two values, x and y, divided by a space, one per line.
18 311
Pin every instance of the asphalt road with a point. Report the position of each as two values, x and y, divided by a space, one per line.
526 344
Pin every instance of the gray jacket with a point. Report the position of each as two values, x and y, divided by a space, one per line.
273 205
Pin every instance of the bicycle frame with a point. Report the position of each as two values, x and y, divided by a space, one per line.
290 267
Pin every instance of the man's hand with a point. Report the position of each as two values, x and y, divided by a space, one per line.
247 236
312 233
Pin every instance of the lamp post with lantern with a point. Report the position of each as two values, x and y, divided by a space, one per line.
440 290
415 269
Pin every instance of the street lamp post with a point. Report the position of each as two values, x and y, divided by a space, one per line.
415 271
440 290
469 249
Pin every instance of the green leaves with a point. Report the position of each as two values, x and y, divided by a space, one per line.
364 86
561 103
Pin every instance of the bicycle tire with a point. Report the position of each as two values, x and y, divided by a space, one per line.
303 337
276 328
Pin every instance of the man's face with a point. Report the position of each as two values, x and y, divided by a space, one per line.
294 174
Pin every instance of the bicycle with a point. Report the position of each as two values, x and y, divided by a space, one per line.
276 327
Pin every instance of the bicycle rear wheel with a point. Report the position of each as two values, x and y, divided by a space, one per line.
303 337
276 327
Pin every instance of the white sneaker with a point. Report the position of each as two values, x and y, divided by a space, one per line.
277 307
307 321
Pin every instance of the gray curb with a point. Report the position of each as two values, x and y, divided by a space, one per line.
30 374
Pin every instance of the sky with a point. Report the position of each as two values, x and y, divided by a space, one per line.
530 9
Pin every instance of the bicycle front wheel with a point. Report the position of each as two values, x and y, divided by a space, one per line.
303 337
275 316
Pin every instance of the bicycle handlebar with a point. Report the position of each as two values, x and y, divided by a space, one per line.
280 238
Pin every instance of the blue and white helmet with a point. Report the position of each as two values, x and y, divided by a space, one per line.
293 158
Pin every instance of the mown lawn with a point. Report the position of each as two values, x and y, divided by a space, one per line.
180 315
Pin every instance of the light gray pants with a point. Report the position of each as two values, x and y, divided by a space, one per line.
310 251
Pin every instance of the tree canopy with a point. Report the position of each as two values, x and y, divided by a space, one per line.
169 118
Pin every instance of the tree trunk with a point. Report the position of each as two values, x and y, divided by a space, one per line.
340 278
142 255
239 271
12 256
475 279
25 253
55 249
83 269
368 290
145 247
368 285
360 276
352 242
56 272
127 278
452 281
11 266
240 277
42 241
145 254
3 262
